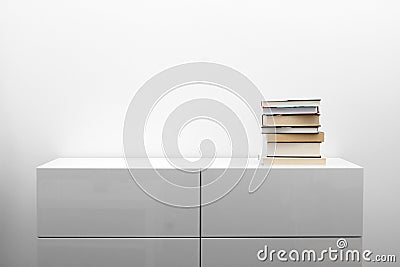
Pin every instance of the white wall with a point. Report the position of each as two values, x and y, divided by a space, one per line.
68 70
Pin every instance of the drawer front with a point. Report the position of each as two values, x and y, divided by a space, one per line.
251 252
123 252
291 202
108 203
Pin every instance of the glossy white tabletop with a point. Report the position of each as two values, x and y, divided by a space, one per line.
163 163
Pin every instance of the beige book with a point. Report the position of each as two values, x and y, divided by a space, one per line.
291 120
293 149
291 161
296 138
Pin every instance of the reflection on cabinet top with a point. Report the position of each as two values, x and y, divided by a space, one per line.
180 163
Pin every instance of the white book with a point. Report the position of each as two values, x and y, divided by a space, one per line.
282 130
289 110
291 103
293 161
293 150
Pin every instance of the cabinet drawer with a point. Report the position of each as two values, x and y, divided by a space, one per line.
291 202
118 252
244 251
108 203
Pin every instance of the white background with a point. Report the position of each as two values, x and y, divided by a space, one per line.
68 70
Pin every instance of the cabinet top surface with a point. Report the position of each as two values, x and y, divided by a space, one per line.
163 163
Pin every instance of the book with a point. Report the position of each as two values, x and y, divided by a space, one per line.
296 138
287 130
291 103
290 110
293 150
292 161
290 120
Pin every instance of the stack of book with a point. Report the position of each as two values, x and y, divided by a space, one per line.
292 131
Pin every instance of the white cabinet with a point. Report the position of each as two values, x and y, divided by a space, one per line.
92 213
